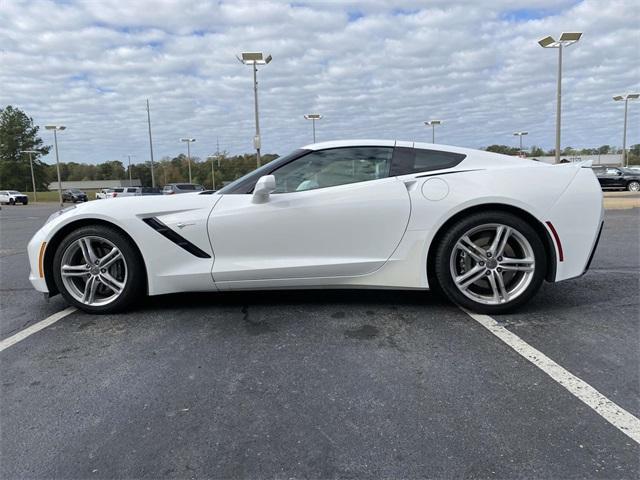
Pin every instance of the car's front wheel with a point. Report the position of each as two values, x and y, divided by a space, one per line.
633 186
490 262
97 269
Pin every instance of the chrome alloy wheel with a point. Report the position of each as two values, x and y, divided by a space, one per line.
492 264
93 271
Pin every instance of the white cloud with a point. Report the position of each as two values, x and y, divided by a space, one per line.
373 70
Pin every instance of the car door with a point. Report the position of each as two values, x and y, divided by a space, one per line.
334 212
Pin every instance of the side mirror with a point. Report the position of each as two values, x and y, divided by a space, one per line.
264 186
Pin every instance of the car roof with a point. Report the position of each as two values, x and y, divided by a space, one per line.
385 143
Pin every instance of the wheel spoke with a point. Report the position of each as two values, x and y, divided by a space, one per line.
472 276
90 290
74 271
109 281
500 241
503 291
494 286
518 264
466 245
87 251
110 258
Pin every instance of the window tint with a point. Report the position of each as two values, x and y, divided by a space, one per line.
415 160
118 190
186 186
131 190
329 168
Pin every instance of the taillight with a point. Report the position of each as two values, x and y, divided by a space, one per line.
114 194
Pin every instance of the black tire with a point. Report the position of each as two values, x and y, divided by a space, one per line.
446 246
26 201
134 287
12 201
633 186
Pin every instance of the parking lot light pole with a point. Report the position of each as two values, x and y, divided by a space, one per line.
432 124
520 134
189 141
313 117
254 59
130 181
626 98
153 177
33 178
55 129
213 178
566 39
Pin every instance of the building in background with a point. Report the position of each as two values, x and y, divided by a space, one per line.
611 159
96 184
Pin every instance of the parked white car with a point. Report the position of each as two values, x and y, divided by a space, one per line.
103 193
487 229
12 197
120 192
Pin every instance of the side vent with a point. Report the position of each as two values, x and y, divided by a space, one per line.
179 240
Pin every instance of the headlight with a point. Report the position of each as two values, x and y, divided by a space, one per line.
58 213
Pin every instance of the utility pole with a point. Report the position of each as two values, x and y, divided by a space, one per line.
33 178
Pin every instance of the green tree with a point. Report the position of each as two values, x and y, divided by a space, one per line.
604 149
17 132
504 149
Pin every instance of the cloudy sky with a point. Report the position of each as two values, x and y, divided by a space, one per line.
374 69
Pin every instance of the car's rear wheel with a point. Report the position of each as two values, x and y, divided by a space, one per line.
25 201
633 186
97 269
490 262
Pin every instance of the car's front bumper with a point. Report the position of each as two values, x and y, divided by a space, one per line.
36 250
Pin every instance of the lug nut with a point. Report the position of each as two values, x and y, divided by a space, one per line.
97 262
499 259
103 270
489 254
481 264
487 272
499 269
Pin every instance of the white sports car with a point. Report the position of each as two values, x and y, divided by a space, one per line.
487 229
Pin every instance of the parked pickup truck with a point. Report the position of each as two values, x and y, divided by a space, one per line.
133 192
103 193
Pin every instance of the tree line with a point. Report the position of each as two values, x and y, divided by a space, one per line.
18 133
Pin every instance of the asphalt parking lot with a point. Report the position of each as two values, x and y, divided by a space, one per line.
319 384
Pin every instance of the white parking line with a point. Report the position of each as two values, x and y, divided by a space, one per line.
36 327
612 413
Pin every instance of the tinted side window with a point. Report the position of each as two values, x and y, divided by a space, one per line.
186 186
332 167
416 160
131 190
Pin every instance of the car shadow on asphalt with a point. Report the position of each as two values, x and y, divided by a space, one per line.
322 297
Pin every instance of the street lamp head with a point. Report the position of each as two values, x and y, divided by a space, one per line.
433 122
55 127
566 39
519 134
313 116
628 96
254 58
570 36
187 139
547 42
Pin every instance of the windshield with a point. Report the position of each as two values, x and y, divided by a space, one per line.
14 192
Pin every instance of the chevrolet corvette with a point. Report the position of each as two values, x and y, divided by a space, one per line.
485 229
